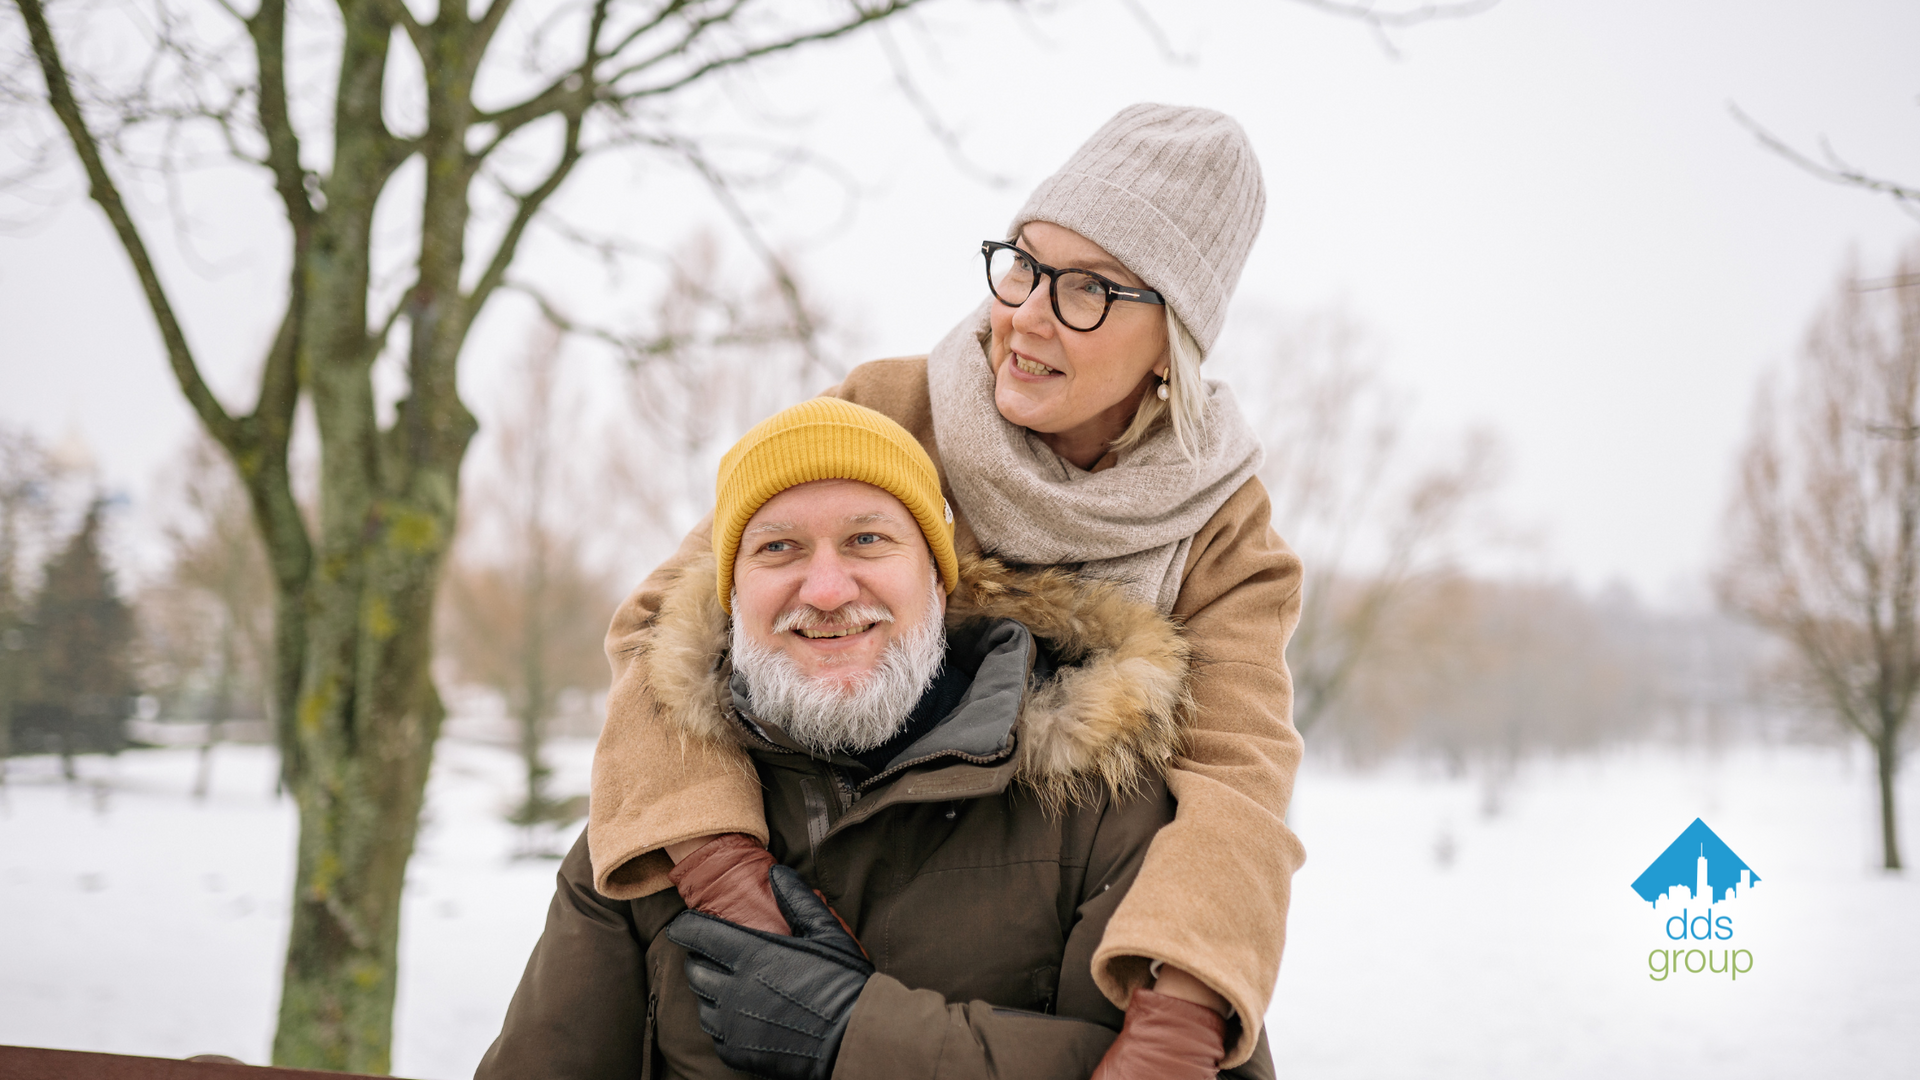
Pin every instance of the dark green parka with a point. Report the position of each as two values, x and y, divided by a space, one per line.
978 866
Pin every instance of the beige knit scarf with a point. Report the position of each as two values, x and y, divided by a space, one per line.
1132 523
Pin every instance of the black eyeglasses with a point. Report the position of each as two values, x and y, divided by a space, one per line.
1081 298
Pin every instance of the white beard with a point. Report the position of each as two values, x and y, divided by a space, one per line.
828 715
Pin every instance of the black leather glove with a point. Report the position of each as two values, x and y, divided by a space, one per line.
775 1006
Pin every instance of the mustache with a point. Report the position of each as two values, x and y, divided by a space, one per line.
808 617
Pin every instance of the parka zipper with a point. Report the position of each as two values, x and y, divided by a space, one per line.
646 1037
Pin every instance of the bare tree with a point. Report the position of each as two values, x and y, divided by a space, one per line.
207 622
352 695
524 612
1824 527
1373 514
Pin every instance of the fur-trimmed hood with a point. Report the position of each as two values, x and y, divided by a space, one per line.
1108 714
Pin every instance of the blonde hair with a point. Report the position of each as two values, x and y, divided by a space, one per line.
1185 407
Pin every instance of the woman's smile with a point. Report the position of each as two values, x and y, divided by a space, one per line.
1032 368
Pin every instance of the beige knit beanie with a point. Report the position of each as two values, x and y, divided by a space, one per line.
1173 192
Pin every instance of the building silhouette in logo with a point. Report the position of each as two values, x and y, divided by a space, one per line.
1698 866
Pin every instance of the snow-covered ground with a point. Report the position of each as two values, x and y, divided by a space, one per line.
1438 930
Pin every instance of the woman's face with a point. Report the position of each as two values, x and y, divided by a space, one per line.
1077 390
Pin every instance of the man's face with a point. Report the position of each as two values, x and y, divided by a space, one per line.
830 574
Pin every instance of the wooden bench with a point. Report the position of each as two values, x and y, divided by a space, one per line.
33 1063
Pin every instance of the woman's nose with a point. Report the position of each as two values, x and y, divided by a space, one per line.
1035 315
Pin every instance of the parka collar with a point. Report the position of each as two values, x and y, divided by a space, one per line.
1105 718
978 729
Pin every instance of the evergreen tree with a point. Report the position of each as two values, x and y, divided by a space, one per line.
79 684
27 477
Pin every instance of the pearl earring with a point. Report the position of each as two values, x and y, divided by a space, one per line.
1163 392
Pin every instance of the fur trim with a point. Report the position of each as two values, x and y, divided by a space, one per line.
1111 716
684 656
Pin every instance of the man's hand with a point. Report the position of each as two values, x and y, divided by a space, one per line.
1165 1038
775 1006
727 877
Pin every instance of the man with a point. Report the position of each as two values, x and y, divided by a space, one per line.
962 759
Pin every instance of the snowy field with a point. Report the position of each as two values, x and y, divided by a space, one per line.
1440 928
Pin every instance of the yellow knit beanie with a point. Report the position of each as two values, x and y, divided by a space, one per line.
827 439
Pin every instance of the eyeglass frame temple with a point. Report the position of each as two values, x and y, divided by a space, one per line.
1115 290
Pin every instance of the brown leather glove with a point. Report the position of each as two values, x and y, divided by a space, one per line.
1165 1038
727 877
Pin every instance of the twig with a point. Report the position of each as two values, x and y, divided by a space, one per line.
1159 35
805 332
1379 22
102 188
942 133
1835 171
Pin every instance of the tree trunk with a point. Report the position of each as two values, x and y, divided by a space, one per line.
367 721
1886 751
367 713
357 823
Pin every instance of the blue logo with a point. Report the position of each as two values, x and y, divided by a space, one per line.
1694 888
1701 864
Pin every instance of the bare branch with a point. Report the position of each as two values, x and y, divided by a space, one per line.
862 18
398 11
1835 170
489 24
943 134
640 350
609 249
571 93
1379 20
805 330
1158 35
634 349
568 90
528 206
377 344
1400 18
101 187
694 30
585 85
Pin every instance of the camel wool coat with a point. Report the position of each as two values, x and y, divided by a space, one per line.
1212 893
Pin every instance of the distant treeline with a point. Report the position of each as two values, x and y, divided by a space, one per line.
1470 669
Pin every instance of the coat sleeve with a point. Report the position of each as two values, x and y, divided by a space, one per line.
1212 895
899 1032
651 788
579 1012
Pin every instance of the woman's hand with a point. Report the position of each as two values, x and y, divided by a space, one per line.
726 876
1165 1038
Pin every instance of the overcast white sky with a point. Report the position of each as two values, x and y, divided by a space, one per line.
1545 210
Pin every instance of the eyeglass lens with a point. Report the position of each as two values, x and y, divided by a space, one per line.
1082 298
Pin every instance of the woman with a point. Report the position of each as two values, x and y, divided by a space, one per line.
1071 426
